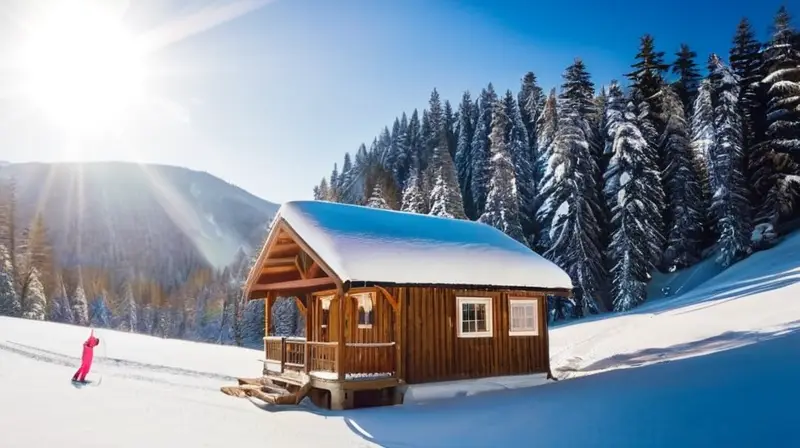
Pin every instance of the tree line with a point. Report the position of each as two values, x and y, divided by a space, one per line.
205 306
610 184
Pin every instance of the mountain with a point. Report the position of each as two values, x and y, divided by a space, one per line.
155 220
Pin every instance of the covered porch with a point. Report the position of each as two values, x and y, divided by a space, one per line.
352 335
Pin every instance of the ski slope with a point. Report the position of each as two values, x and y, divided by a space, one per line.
714 366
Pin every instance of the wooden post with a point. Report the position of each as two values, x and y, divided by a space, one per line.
342 348
310 310
398 335
283 354
267 312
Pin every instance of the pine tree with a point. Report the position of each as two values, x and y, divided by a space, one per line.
633 186
60 310
729 205
689 77
445 196
412 194
570 195
745 61
647 78
686 210
377 199
35 303
531 101
774 173
322 193
546 129
480 150
518 148
253 325
128 310
99 313
9 302
346 181
703 132
80 307
463 158
333 185
449 125
502 210
284 317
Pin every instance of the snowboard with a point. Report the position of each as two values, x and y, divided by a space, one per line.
79 384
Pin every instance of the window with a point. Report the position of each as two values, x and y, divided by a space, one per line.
326 307
523 317
474 317
366 313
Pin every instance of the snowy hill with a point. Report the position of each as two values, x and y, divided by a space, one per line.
151 216
682 371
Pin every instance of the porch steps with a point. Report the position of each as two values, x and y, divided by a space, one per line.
291 393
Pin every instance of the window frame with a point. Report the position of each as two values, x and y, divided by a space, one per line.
464 300
370 313
534 301
325 305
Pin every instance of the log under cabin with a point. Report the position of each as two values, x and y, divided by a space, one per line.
395 303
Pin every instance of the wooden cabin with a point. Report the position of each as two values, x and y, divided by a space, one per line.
397 304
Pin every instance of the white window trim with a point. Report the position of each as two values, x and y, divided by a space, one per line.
460 301
524 301
365 300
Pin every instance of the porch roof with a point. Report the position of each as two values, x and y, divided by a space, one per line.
367 245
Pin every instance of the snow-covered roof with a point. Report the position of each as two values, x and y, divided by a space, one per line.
362 244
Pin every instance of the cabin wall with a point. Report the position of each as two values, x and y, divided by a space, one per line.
433 351
382 329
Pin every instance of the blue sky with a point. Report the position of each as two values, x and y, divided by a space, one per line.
271 99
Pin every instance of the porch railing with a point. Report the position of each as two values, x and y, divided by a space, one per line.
362 360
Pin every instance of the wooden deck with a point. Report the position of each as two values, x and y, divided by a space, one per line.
363 361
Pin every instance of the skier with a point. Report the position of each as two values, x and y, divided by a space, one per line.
86 359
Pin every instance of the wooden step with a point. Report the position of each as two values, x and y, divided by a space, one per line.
265 390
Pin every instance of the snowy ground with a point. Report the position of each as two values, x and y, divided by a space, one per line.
717 365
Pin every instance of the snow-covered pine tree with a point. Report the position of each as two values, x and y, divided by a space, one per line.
686 209
647 80
227 333
689 77
147 319
480 150
35 303
445 196
333 185
463 159
99 313
60 309
414 142
531 101
502 209
78 302
775 177
9 302
412 194
518 148
449 125
745 61
377 199
128 310
729 206
322 193
284 317
253 325
632 183
703 132
346 181
570 194
546 128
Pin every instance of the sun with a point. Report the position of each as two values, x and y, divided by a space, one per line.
82 68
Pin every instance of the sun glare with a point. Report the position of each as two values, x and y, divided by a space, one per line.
82 68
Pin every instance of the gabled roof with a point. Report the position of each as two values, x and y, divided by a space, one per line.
361 244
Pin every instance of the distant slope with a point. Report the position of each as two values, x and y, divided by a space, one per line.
150 217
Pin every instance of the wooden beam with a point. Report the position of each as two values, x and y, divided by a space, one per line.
307 249
278 269
300 306
267 278
389 297
295 284
341 346
279 261
284 250
299 266
313 270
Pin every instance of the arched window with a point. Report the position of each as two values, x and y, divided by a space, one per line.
366 312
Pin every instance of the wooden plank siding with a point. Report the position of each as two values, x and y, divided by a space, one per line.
432 350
